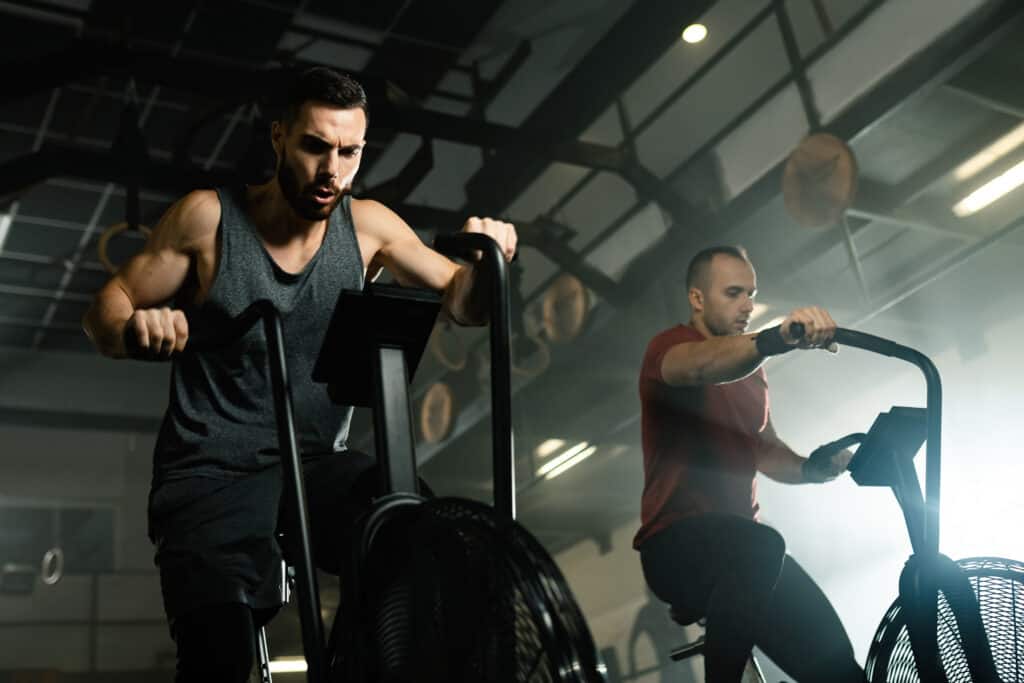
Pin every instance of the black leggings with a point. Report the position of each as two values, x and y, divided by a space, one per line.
215 643
216 639
219 635
736 573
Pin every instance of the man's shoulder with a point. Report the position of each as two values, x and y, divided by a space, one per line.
371 218
369 214
677 334
201 204
661 343
194 218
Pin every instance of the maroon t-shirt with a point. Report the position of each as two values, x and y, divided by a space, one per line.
700 443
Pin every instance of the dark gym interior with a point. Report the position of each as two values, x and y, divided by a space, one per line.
617 148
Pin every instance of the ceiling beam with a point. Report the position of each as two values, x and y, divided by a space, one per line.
984 81
642 35
223 81
423 19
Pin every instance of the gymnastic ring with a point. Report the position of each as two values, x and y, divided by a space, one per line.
51 569
108 234
448 347
538 367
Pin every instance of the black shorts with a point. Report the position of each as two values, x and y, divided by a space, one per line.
216 540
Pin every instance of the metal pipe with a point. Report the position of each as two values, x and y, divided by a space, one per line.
875 217
858 268
796 66
823 18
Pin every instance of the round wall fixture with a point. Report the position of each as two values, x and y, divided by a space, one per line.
437 413
564 308
448 347
819 181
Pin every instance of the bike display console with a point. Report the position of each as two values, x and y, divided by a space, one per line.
364 321
894 439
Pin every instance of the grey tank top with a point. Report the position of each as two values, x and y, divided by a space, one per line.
220 417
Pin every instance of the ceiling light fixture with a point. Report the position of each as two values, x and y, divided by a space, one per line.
564 457
548 447
991 191
990 154
5 227
288 665
695 33
571 462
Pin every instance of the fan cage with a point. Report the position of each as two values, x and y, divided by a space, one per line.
998 584
508 616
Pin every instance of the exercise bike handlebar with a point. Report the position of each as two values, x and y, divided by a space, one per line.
263 310
492 259
933 448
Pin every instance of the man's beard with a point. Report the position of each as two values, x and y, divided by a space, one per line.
302 202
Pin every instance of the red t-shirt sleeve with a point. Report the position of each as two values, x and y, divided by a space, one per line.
651 382
656 350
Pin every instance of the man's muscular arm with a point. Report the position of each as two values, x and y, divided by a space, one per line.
778 461
133 296
715 360
397 248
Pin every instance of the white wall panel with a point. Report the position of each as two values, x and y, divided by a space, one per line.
888 37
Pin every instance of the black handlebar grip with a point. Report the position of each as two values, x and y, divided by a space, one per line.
797 330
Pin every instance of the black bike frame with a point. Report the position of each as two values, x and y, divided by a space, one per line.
933 446
291 466
927 572
464 245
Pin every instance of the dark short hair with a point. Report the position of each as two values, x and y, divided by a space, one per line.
700 264
321 84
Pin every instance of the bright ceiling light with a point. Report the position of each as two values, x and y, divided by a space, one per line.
548 447
288 665
5 227
694 33
986 157
991 191
564 457
571 462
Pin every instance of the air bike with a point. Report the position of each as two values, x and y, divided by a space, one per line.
957 621
437 589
